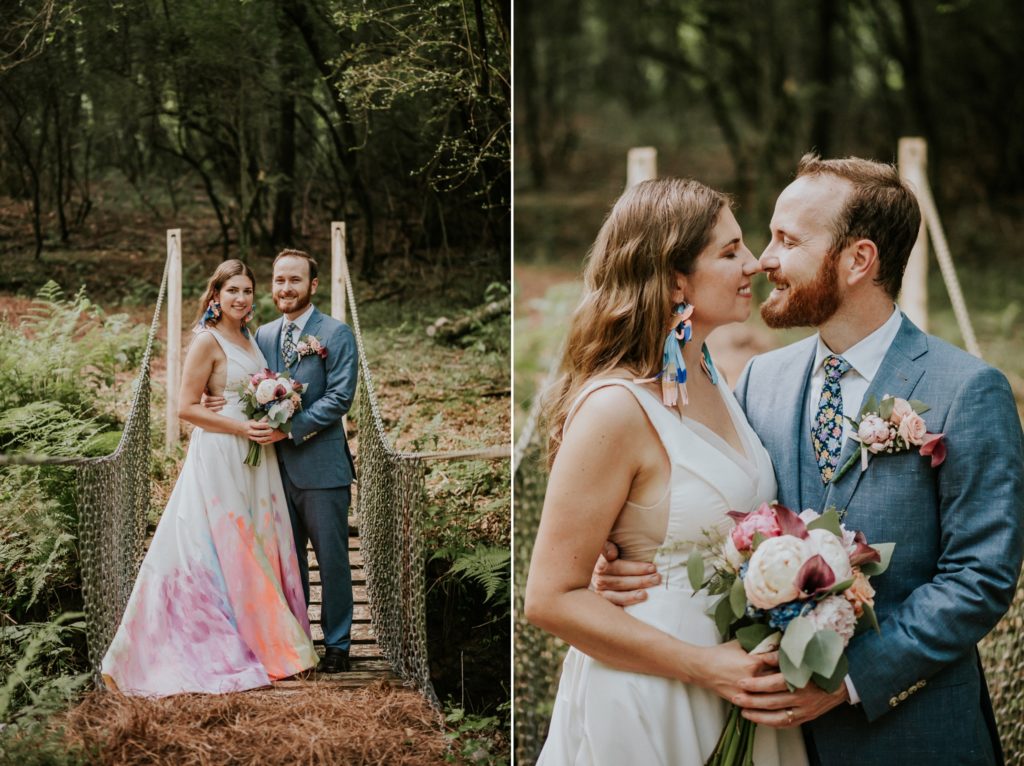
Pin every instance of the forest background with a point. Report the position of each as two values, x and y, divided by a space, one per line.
251 125
733 93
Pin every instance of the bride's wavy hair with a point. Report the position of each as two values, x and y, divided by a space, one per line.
227 269
655 229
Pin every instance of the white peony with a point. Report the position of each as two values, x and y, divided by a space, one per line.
265 391
771 577
834 613
831 548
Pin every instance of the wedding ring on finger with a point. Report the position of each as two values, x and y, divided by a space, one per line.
789 716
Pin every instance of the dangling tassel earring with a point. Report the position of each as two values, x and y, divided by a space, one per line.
212 313
673 368
246 319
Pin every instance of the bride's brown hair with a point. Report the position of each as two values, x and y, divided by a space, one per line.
655 229
230 268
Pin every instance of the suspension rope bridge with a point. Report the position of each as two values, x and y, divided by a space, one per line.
388 562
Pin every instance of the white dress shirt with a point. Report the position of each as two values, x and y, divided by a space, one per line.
865 358
300 321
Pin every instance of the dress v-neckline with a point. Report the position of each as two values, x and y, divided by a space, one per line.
248 352
744 460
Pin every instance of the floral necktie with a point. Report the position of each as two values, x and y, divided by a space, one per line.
289 343
827 429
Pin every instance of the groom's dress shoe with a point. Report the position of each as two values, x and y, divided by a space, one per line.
334 661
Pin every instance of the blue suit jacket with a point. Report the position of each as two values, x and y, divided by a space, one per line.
959 534
316 456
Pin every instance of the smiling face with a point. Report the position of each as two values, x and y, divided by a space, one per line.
235 297
799 260
719 287
292 287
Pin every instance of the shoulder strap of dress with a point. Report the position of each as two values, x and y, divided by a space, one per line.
664 422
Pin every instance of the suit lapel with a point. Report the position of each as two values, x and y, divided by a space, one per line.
275 337
897 376
793 401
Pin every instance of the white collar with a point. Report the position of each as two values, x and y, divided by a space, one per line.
865 356
300 320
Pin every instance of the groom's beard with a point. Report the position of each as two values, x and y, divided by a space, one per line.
806 305
301 301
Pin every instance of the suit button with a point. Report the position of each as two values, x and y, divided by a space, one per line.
893 702
903 696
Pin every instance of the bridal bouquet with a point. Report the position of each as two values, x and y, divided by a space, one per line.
273 397
793 582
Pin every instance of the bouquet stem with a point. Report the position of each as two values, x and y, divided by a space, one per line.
255 454
736 743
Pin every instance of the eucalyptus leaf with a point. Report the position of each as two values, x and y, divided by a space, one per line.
872 568
833 682
796 676
919 407
723 615
695 570
871 405
750 636
823 652
798 633
828 520
840 587
868 620
738 598
885 408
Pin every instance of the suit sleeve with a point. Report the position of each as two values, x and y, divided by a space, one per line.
342 368
980 507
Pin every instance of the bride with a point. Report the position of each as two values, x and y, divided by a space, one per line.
218 603
651 464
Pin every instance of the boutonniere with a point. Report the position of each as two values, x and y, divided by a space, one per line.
310 344
890 426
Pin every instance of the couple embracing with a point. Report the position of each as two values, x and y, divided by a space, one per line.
220 601
643 479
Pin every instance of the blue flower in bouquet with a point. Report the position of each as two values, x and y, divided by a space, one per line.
780 616
743 569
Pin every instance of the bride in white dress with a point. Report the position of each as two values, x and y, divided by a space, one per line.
650 683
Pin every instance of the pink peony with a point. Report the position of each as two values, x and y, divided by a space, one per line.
873 430
834 613
762 520
912 429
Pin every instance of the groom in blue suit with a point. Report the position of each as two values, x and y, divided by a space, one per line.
315 461
915 694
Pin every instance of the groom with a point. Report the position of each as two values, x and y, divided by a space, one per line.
915 694
315 461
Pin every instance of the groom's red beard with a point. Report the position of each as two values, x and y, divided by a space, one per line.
301 301
806 305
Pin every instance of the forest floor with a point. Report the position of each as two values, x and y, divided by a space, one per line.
433 397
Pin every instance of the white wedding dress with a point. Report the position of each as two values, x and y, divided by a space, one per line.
607 716
218 603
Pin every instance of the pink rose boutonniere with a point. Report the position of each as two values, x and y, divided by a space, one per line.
310 344
890 426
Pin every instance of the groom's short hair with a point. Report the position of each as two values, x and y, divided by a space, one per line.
881 208
310 260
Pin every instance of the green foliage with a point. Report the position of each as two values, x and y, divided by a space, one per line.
67 364
40 679
68 350
478 738
487 566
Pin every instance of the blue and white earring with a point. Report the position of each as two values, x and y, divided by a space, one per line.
673 368
212 313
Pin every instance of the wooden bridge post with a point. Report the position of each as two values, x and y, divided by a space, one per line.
641 165
913 163
173 432
339 271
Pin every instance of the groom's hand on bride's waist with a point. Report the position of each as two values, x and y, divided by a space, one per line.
213 403
621 581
